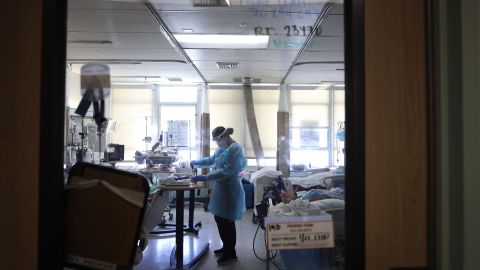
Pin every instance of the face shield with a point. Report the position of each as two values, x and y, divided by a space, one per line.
218 135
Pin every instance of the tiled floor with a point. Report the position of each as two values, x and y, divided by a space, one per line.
157 253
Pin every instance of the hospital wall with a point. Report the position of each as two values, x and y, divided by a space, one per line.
73 92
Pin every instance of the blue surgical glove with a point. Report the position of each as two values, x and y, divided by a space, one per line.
199 178
192 164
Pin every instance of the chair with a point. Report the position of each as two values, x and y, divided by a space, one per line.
104 211
154 215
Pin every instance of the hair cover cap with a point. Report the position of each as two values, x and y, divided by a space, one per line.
221 132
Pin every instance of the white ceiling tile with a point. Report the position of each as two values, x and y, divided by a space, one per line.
315 77
86 20
296 43
229 23
105 4
318 67
333 26
246 65
309 56
162 54
135 35
120 40
226 55
337 9
84 53
141 71
261 8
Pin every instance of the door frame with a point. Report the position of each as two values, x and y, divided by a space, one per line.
51 180
354 134
52 110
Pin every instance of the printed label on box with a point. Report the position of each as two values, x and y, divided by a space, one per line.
300 235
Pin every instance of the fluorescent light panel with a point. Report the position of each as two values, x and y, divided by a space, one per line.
310 85
197 41
240 84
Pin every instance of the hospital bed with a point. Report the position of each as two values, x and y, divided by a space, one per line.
261 180
321 180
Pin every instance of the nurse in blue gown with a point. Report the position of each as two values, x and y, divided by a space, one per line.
227 202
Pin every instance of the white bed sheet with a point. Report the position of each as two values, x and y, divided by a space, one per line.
318 179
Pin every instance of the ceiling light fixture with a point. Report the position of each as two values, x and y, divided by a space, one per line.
310 85
196 41
130 83
241 84
187 30
157 83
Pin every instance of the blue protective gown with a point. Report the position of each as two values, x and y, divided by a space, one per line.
228 197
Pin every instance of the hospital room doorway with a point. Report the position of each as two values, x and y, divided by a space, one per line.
393 146
273 71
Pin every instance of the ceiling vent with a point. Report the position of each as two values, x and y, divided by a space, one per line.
227 65
175 79
247 80
211 3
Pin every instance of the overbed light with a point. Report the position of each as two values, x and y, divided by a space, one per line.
197 41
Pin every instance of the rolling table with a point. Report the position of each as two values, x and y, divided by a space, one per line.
177 252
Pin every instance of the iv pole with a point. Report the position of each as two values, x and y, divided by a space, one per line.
147 139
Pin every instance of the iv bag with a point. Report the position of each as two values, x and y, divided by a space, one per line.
95 81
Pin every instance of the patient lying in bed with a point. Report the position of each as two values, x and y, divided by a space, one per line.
296 206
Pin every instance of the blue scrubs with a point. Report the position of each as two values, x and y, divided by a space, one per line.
228 197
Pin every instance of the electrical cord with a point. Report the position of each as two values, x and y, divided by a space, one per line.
270 254
270 258
275 263
254 252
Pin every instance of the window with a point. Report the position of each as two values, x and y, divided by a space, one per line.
177 124
314 120
339 123
178 94
177 121
309 147
227 109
